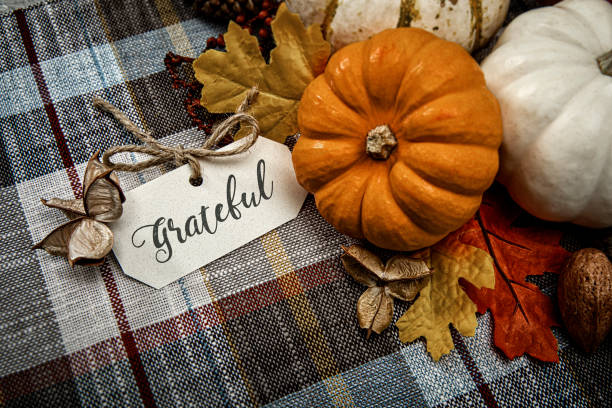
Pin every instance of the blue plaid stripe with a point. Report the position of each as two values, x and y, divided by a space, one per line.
81 72
18 92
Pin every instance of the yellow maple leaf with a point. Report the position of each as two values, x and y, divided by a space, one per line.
443 301
299 56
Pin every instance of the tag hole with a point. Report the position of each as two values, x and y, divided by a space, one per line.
195 181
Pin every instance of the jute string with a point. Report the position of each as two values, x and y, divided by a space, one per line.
178 154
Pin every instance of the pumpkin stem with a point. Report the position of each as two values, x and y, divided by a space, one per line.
380 142
605 63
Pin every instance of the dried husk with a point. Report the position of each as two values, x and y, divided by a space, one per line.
357 270
90 241
408 289
56 243
374 310
86 240
94 169
402 267
103 198
402 277
83 241
72 209
101 191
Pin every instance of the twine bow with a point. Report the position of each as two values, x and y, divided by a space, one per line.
178 154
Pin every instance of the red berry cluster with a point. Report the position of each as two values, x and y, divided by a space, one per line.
258 25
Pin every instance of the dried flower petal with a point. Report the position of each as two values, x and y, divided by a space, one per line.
102 198
72 209
374 310
56 243
89 242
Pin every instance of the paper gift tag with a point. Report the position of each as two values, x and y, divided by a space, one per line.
170 228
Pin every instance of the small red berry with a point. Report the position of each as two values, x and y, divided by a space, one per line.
263 33
268 21
266 5
241 19
220 41
262 14
211 42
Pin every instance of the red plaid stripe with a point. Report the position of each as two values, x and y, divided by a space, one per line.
110 351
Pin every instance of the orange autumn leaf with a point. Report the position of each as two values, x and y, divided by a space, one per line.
520 246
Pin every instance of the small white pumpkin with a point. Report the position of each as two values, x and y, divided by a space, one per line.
556 102
470 23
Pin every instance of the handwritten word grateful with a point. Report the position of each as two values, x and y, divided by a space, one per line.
164 233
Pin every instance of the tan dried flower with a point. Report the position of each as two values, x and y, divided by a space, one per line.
402 277
86 239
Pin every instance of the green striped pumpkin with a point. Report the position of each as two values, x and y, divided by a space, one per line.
470 23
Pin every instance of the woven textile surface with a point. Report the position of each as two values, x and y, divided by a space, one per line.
272 323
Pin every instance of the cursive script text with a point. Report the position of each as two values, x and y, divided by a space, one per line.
166 232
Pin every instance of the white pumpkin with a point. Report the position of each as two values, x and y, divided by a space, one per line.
470 23
556 103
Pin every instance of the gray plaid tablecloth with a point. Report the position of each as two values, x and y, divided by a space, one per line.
273 323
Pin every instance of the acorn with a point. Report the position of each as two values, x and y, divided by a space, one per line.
585 297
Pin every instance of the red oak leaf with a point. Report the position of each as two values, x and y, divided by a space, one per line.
520 246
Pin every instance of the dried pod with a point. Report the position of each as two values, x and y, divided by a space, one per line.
585 297
71 208
86 240
56 243
102 198
83 241
402 277
374 310
90 241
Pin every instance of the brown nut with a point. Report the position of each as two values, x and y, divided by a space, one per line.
585 297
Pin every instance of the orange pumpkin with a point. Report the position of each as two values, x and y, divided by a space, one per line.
399 139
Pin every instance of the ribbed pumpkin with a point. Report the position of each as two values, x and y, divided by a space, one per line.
469 23
399 139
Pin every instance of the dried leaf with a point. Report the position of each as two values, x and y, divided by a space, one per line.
102 198
520 245
56 243
300 55
374 310
72 209
89 242
442 301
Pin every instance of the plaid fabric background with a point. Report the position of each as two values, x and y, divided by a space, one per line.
272 323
